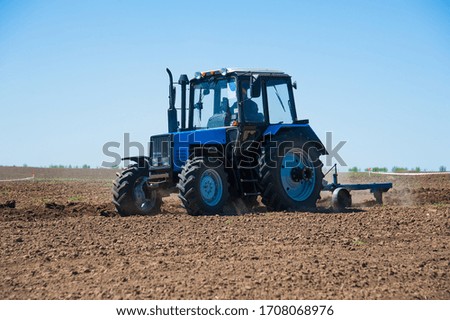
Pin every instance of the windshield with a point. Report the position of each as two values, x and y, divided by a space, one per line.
213 103
278 101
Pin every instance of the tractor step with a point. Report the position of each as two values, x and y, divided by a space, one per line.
249 183
251 194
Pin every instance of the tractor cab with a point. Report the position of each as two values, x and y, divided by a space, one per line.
233 97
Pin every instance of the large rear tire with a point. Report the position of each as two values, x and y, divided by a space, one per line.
131 195
290 174
203 187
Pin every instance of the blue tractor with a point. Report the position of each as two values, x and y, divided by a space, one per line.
236 136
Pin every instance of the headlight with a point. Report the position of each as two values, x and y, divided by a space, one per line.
165 161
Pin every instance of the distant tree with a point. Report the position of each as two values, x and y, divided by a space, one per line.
399 169
377 169
85 166
416 169
24 165
354 169
442 168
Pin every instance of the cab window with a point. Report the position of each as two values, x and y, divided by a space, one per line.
253 110
213 101
278 101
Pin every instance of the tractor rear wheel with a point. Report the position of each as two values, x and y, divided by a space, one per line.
203 187
290 174
131 195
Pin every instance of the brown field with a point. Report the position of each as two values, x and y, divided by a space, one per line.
64 241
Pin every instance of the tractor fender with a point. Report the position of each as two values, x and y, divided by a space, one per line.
302 129
142 161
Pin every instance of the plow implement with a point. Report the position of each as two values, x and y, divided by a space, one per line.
341 197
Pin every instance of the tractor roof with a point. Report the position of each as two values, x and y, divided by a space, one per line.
253 70
238 71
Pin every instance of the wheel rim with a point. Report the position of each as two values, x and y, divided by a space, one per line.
211 188
298 176
140 196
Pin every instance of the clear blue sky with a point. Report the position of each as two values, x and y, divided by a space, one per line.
76 74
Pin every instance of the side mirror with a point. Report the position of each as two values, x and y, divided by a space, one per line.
294 85
255 87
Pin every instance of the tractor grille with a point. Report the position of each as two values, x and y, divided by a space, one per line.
160 151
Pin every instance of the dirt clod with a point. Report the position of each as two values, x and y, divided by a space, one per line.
8 204
53 205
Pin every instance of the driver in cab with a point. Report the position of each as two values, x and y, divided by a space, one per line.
250 107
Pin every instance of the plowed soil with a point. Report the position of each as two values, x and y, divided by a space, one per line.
61 239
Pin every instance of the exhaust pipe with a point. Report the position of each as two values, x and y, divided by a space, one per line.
171 112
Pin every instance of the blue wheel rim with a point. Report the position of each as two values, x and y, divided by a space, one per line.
211 187
140 198
298 176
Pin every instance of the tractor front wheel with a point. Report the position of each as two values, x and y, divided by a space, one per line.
131 196
203 187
